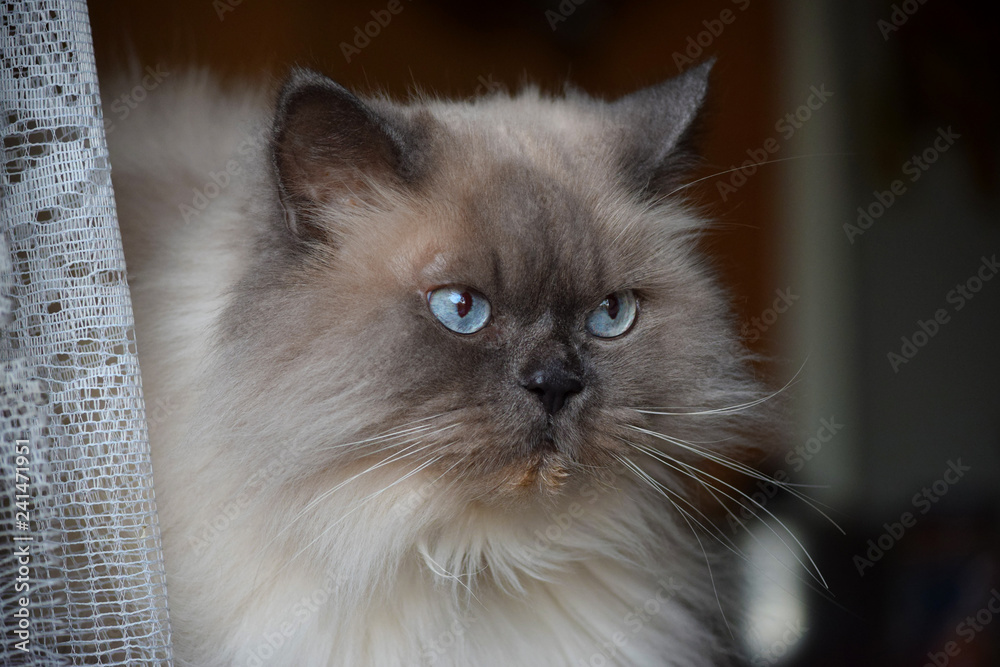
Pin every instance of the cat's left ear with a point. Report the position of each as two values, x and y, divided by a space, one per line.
660 124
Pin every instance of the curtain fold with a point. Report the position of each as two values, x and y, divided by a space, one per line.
81 571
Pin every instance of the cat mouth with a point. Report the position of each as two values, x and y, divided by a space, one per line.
546 443
546 470
545 467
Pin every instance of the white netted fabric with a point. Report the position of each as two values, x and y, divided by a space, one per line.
73 446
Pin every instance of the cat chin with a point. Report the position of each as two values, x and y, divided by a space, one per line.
544 473
541 477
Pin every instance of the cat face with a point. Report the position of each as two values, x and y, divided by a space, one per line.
488 289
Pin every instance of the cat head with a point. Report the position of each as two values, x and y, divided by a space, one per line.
487 289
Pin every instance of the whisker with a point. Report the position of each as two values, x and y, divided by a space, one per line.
687 411
712 491
669 461
757 164
421 436
826 593
707 486
718 457
363 502
444 574
395 456
386 436
663 490
708 563
736 466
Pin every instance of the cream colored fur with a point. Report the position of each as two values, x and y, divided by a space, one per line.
388 570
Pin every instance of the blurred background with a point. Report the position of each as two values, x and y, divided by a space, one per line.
864 251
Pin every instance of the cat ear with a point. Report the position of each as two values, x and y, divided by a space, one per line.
661 123
331 149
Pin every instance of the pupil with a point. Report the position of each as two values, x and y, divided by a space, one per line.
613 306
464 304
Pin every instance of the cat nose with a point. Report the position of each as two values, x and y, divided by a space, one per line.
553 385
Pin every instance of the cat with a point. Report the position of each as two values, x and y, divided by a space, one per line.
437 381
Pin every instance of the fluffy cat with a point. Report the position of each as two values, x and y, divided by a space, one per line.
397 357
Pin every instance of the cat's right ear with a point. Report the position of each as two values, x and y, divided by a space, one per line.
331 149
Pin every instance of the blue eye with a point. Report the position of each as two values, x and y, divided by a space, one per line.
463 310
614 316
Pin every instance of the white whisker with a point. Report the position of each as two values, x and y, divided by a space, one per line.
395 456
444 574
688 411
362 503
736 466
669 461
663 490
386 436
712 491
708 563
757 164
